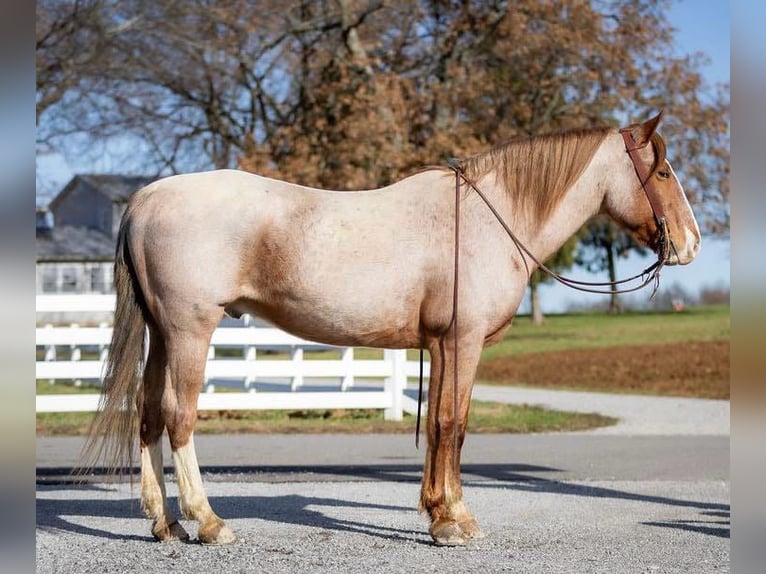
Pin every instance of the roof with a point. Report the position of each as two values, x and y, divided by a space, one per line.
70 243
115 187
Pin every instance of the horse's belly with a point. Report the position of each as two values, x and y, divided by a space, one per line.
337 324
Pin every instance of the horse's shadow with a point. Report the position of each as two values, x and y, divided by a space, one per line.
288 509
307 511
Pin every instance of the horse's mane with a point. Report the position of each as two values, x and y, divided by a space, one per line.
537 171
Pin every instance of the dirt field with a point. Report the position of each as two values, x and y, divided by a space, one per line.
694 369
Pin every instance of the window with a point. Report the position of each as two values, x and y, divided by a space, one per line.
69 279
100 280
49 273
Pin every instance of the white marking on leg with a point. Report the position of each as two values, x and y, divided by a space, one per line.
154 500
153 495
193 500
450 497
191 492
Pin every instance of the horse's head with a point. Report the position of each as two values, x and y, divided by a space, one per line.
641 208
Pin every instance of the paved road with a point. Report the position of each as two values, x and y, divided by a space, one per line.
628 500
639 415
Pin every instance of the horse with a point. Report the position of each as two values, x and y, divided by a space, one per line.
374 268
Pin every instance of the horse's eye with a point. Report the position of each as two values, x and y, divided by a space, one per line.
662 174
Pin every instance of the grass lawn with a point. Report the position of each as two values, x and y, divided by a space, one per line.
484 418
673 354
599 330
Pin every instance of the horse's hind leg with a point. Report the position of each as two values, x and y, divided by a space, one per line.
187 356
442 494
153 495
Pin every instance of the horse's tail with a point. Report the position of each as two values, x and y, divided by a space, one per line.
113 430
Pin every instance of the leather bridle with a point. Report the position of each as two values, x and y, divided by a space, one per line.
647 184
652 273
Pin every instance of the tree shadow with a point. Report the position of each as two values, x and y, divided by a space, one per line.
63 476
719 528
558 487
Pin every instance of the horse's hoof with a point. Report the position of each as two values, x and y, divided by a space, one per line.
447 533
471 530
216 533
169 532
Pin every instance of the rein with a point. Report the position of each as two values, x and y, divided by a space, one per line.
652 272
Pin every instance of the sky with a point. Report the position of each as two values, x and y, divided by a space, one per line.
702 25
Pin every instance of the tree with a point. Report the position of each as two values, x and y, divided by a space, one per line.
347 129
602 243
183 80
69 46
563 259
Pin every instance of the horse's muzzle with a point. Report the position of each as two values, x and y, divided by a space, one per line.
686 252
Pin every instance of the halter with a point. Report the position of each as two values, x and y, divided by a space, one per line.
652 272
645 178
647 184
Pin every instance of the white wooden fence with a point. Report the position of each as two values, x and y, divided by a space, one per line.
77 352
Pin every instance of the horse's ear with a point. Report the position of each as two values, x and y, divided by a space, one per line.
642 133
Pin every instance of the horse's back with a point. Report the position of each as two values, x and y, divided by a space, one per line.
204 192
342 267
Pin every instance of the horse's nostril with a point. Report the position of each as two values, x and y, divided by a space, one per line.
693 242
696 246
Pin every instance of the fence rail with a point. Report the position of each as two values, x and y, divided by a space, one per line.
77 353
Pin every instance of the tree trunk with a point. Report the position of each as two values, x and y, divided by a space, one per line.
615 306
534 301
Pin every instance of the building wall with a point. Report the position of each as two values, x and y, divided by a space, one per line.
83 206
75 277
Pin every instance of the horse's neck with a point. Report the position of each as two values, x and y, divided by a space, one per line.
582 201
577 207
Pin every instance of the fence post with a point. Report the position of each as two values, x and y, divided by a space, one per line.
297 358
103 350
249 356
209 387
347 356
50 353
395 384
75 353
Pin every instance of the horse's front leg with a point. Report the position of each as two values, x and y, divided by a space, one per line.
442 494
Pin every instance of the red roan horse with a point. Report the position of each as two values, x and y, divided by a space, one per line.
370 268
